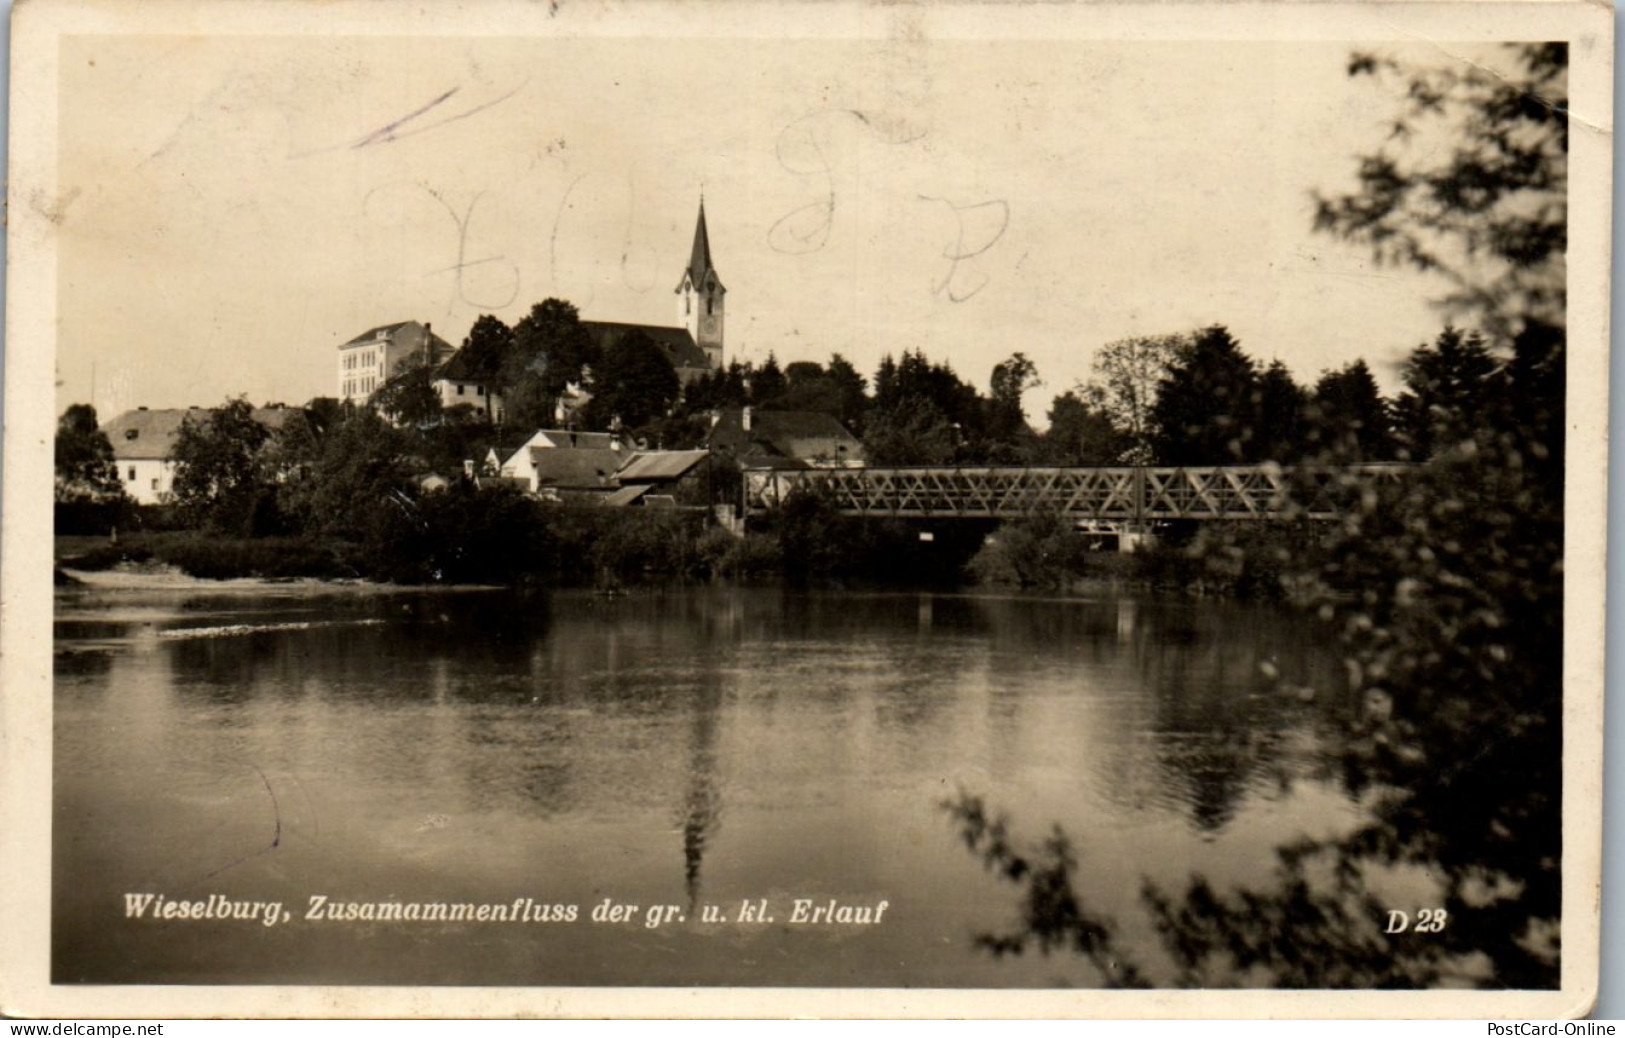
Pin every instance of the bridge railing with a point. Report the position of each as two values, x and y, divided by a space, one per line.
1133 494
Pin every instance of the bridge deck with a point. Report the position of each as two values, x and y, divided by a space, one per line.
1101 494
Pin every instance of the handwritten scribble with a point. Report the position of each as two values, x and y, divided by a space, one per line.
628 244
274 843
994 214
806 228
460 290
400 129
803 149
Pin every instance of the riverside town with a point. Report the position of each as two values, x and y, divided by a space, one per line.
1119 547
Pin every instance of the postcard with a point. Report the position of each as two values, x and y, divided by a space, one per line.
804 509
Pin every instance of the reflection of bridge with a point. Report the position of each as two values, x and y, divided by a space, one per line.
1115 496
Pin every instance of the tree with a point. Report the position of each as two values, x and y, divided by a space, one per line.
915 432
84 458
486 350
408 396
1473 184
1129 373
1449 390
1444 591
1081 432
1207 406
1010 379
1348 416
1279 435
767 383
851 393
551 350
221 474
358 467
810 389
633 383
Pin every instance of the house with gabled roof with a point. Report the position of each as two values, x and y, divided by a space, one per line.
765 438
458 384
142 440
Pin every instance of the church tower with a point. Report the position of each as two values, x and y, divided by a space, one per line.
699 303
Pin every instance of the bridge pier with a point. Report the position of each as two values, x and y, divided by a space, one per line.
1135 536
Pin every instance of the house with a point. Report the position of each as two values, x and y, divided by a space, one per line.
520 463
755 437
457 384
555 461
377 355
570 473
142 440
679 477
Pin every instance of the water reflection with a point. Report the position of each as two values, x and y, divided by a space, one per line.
496 744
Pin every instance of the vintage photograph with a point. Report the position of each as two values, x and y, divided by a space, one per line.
811 497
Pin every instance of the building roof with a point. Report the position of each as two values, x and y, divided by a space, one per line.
459 369
780 433
626 495
699 260
570 438
151 434
678 345
389 330
574 469
659 466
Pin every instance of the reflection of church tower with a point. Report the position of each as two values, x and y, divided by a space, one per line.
699 306
702 805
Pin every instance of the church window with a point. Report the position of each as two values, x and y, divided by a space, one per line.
708 301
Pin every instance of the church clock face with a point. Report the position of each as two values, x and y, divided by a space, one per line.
708 324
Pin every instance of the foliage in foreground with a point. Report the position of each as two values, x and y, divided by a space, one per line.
1444 592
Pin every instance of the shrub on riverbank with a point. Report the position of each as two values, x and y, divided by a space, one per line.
1040 551
271 558
722 554
1251 560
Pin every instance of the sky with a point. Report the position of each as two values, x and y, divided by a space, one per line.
226 229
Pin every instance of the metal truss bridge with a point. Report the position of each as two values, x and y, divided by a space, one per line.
1113 496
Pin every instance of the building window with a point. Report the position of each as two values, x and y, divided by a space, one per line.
155 484
708 304
459 389
132 473
479 390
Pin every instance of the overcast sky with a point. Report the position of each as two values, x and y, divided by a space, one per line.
232 224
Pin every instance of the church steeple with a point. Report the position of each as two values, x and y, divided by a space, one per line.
700 294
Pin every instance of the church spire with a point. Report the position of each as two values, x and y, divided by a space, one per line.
699 261
700 295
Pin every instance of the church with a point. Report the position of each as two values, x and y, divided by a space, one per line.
694 344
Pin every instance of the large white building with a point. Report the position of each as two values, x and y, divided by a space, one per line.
377 355
143 438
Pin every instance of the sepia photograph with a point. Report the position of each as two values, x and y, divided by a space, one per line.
792 505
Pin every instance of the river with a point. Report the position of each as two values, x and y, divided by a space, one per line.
719 747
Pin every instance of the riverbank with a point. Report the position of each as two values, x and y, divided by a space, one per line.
150 577
623 550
